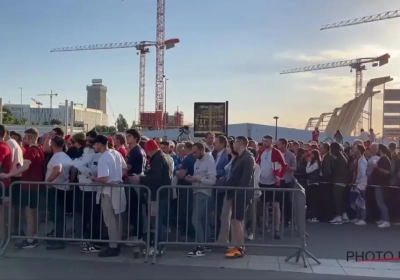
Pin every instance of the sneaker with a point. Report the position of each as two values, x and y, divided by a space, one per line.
313 220
250 237
110 252
379 222
207 248
235 253
51 234
354 221
153 251
90 248
384 225
345 218
336 221
197 252
27 244
360 223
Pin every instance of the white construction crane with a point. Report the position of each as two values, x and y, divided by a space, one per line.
361 20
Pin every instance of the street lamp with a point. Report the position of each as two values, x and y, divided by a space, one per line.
20 88
276 127
165 106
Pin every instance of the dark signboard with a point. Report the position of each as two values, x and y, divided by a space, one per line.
210 117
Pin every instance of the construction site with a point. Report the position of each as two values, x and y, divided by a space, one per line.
356 114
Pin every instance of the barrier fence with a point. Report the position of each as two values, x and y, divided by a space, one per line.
3 202
217 216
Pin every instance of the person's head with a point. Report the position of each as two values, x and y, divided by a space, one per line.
267 141
383 150
253 144
164 146
100 144
324 148
373 149
199 150
188 147
359 151
132 137
335 148
119 140
58 132
67 140
306 147
338 131
220 143
143 140
253 152
57 143
392 147
346 145
151 147
90 136
315 155
17 137
78 140
300 153
316 129
158 140
171 146
295 146
31 136
240 144
3 133
282 144
362 130
371 130
230 150
180 150
110 143
210 138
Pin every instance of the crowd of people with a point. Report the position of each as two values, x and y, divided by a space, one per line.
336 178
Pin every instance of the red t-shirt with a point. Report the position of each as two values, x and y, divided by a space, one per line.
315 136
35 173
123 152
23 149
6 162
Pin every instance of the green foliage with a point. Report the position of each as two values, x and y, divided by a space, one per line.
121 123
134 124
55 122
9 119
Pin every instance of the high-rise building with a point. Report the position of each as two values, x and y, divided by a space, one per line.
97 96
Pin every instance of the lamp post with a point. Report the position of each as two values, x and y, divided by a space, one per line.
276 118
20 88
165 106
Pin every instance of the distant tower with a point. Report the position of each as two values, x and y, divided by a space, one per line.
97 96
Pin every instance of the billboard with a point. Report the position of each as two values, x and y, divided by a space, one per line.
391 95
391 132
210 117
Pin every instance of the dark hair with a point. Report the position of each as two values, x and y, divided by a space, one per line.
19 136
58 141
135 133
317 157
209 133
91 134
199 146
58 131
222 139
268 137
326 146
243 139
300 152
335 148
295 143
32 131
249 138
384 149
360 148
254 152
232 150
164 143
392 146
3 131
189 145
283 141
120 138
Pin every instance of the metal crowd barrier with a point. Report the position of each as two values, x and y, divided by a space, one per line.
82 214
206 208
3 211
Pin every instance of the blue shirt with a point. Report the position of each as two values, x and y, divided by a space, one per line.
136 160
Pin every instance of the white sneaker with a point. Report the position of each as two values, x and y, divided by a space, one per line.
250 236
345 218
379 222
337 221
384 225
360 223
354 221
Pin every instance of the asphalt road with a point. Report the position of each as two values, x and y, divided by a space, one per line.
12 268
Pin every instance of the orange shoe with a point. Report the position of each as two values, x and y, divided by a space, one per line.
234 253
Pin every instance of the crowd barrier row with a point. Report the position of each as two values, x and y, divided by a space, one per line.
117 214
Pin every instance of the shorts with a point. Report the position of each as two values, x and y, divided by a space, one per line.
24 198
269 195
239 208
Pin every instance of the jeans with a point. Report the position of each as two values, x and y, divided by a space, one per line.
162 222
201 217
56 206
380 201
361 214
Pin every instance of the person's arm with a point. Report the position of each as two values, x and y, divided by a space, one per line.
293 163
3 152
54 173
247 171
156 173
103 172
46 143
223 161
211 174
385 167
135 161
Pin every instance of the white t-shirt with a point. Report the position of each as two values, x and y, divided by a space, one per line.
16 155
62 160
266 175
364 136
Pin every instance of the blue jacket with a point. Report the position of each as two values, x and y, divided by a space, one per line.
223 161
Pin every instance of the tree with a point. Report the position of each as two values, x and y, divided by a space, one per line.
55 122
46 123
112 129
134 124
8 117
121 123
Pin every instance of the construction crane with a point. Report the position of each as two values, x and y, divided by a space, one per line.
38 103
361 20
51 94
355 64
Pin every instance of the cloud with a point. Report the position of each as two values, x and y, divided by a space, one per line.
337 55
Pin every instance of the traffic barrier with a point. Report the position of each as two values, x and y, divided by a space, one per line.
87 214
224 209
3 211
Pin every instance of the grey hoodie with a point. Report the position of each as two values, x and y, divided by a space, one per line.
205 170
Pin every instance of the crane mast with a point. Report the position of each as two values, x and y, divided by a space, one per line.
361 20
142 51
160 51
51 101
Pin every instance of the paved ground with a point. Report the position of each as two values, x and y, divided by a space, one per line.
327 242
62 269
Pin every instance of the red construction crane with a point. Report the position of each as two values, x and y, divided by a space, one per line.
142 48
361 20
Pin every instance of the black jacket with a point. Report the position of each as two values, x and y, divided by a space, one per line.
157 175
327 168
340 169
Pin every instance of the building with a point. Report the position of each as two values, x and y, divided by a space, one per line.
155 120
79 115
97 96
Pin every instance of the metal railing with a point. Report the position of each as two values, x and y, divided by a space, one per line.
202 208
3 211
88 214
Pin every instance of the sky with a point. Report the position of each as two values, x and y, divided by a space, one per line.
229 50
